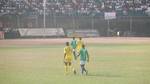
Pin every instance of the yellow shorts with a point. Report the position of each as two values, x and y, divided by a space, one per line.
68 60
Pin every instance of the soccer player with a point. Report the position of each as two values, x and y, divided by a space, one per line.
68 58
74 45
84 57
79 44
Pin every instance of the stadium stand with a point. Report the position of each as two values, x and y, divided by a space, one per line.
132 15
75 7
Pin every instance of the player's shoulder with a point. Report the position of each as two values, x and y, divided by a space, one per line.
81 49
86 49
64 48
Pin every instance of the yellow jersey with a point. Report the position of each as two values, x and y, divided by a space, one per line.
79 45
68 52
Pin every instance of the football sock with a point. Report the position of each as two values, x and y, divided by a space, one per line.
66 69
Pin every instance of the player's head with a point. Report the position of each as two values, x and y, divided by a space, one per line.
73 38
67 43
83 46
80 38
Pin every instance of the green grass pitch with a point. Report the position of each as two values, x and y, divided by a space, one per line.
43 64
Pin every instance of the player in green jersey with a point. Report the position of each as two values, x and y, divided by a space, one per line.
84 57
74 45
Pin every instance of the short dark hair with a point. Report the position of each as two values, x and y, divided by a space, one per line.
80 38
73 37
67 43
83 46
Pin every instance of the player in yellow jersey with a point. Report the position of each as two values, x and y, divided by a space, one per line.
79 44
68 57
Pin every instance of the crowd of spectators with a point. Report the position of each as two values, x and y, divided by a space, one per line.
76 7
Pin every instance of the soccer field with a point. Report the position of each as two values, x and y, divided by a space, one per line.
116 62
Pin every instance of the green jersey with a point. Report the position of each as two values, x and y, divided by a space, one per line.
84 56
73 44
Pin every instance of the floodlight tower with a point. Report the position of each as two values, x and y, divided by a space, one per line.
44 17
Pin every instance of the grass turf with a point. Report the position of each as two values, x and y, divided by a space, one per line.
109 64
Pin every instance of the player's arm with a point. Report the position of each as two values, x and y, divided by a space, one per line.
76 45
71 43
64 53
78 54
87 56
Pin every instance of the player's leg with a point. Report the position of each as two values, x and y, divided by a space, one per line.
85 69
82 64
74 54
74 61
81 69
66 67
74 66
70 66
